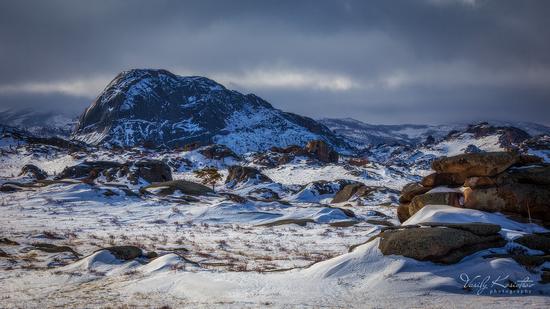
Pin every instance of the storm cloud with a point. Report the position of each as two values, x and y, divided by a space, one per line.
425 61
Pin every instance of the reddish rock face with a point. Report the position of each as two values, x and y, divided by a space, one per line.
523 199
444 243
403 212
358 161
411 190
479 182
322 151
436 198
476 164
537 175
443 179
241 174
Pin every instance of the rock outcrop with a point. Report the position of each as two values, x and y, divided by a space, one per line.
244 174
440 243
322 151
149 171
218 152
504 182
125 252
476 164
155 108
33 171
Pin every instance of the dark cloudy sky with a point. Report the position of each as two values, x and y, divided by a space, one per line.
425 61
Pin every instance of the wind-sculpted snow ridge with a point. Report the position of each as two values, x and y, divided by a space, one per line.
159 108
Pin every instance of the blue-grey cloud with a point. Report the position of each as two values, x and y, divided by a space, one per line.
379 61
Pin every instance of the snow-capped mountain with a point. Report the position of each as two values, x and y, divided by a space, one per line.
163 109
481 137
39 123
363 135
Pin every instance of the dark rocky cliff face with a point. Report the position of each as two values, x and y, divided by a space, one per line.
159 108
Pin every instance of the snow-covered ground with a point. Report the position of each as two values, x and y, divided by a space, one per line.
217 252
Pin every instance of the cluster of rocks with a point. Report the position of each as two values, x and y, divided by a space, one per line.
509 137
449 243
147 170
316 150
505 182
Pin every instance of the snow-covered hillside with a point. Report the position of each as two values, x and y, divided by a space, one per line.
159 108
39 123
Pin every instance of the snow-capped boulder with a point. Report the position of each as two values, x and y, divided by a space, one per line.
160 108
176 187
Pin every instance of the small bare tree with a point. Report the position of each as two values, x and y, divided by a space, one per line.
209 176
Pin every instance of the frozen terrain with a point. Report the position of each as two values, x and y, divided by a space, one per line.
293 251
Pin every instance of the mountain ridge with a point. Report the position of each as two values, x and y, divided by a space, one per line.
156 106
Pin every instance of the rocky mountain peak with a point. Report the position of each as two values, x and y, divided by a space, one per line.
158 107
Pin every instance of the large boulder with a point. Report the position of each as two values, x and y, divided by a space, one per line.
537 174
244 174
125 252
174 186
218 152
411 190
322 151
33 171
476 164
348 191
443 179
526 200
151 171
440 244
535 241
